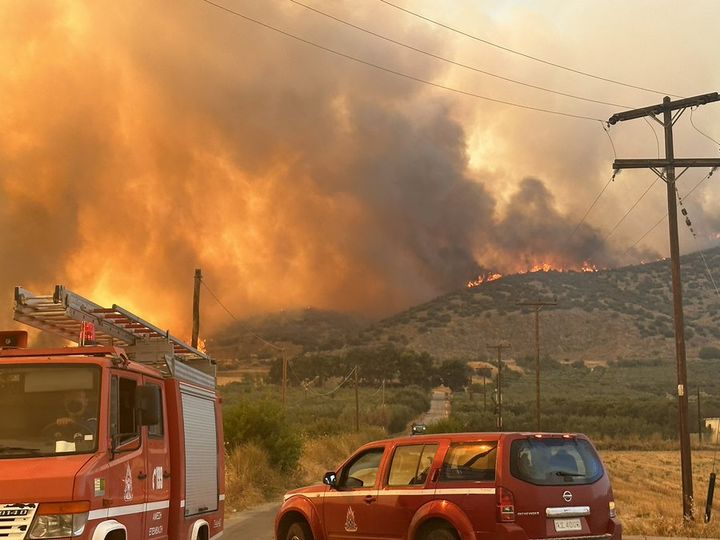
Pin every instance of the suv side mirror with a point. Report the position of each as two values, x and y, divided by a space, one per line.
147 401
330 479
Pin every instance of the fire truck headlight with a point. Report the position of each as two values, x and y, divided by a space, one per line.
59 526
60 520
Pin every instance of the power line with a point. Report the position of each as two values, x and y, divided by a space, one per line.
651 229
591 207
701 132
252 334
524 55
395 72
453 62
684 212
631 208
657 141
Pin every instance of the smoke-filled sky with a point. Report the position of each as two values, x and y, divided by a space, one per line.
142 140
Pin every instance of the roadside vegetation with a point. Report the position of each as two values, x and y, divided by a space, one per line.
270 449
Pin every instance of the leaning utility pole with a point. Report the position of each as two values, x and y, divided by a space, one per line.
665 169
538 306
196 308
499 347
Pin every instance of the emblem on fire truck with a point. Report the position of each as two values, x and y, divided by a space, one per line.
350 525
157 478
128 493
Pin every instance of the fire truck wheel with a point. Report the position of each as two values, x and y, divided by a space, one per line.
299 531
441 533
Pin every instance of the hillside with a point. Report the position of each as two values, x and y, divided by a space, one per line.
606 315
623 313
293 331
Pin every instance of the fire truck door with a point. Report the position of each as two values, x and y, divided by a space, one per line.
158 471
127 471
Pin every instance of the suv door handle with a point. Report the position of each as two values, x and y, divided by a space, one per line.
369 499
142 476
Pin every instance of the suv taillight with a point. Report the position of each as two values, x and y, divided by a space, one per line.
505 505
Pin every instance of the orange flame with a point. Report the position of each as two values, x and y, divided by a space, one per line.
586 266
484 278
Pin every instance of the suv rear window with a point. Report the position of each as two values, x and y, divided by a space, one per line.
469 462
551 462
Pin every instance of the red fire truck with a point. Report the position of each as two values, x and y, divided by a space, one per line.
119 438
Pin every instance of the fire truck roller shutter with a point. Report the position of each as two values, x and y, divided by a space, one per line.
201 483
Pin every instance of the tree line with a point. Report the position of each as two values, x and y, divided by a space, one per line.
392 365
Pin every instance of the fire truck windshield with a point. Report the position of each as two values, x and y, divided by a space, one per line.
48 410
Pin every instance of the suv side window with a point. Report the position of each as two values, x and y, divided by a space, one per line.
411 464
362 471
469 462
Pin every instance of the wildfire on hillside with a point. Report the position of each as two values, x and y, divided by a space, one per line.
483 278
543 267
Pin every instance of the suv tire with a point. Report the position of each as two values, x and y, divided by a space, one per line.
299 531
441 533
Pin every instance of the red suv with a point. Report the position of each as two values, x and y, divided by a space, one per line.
459 487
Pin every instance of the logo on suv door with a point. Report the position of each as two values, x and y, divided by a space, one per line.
567 496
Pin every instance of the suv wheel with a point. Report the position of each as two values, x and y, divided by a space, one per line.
299 531
441 533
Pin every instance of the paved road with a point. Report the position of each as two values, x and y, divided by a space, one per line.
254 524
439 408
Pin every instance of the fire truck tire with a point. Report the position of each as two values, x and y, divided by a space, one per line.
299 531
110 529
441 533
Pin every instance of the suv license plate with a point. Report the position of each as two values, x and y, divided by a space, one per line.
562 525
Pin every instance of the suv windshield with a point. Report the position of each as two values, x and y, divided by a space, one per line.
48 410
551 462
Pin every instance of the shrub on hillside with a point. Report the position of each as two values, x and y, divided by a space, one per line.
709 353
264 423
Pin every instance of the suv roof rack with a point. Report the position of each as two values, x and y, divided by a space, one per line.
64 312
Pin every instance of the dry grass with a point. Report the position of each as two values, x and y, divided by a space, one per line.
647 489
249 478
325 453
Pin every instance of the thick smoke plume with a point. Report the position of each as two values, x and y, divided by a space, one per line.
140 140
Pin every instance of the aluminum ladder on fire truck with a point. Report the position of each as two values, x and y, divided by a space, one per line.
64 313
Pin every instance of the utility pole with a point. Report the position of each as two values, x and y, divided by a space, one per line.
196 309
665 169
700 422
357 402
499 347
484 395
538 306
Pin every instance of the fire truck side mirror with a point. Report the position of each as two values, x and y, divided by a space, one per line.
147 401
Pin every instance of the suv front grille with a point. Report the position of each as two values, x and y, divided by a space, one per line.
15 520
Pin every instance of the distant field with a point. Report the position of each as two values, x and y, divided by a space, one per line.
647 491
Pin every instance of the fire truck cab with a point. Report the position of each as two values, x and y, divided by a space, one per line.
119 438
